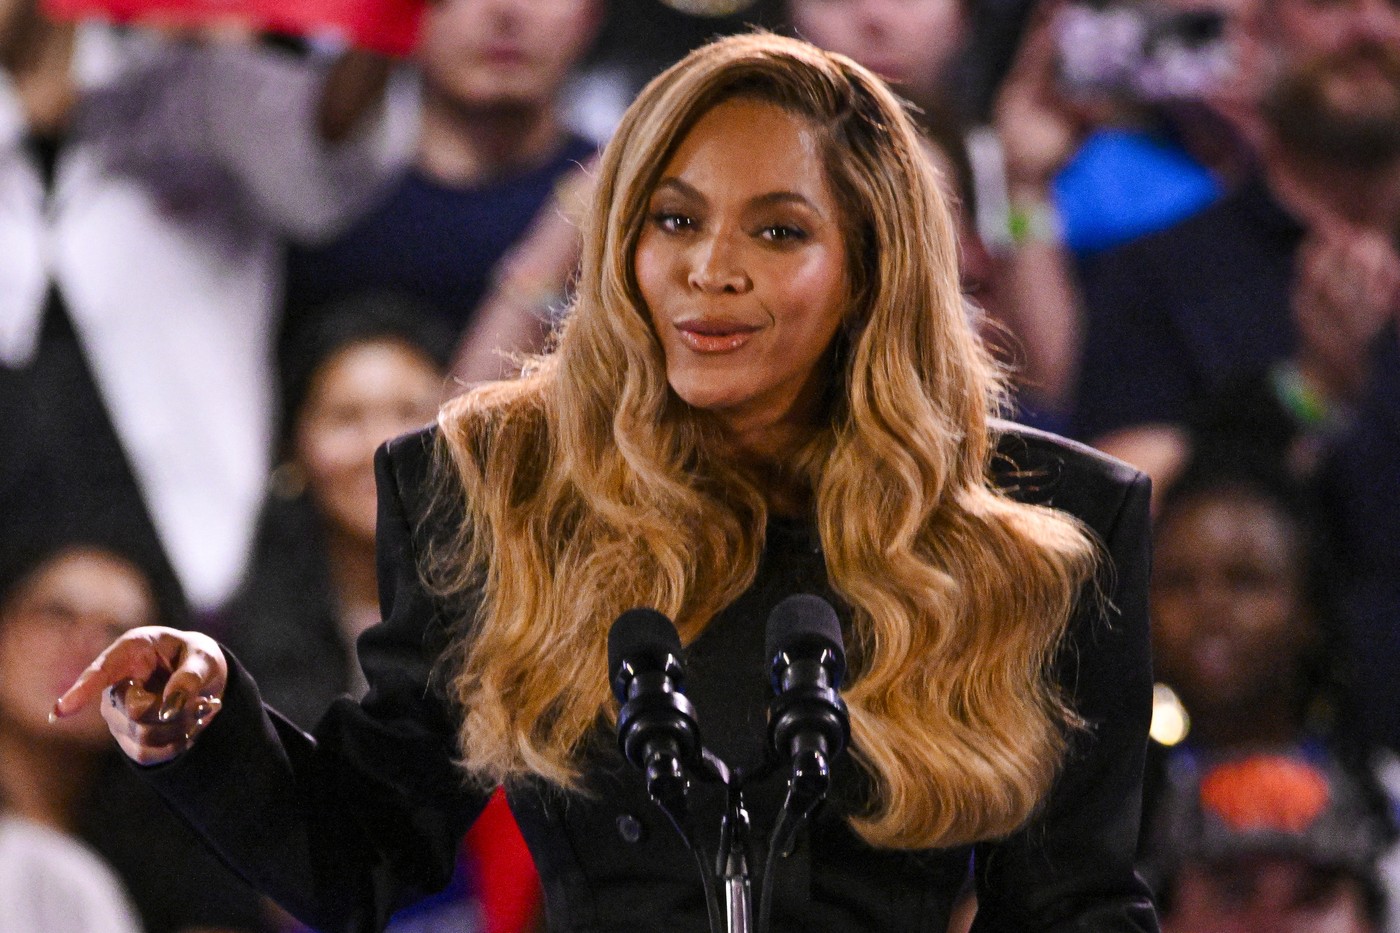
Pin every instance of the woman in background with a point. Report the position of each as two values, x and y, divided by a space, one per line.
361 371
84 847
54 610
356 373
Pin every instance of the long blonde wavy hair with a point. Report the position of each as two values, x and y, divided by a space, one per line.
588 488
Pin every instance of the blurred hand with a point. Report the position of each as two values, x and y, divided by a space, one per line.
159 688
1039 127
1346 288
530 285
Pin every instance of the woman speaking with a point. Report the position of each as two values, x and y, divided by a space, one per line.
768 384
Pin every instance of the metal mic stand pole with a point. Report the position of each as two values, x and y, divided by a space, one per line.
732 863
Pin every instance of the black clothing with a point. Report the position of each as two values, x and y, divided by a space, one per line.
1173 316
432 242
283 622
173 880
65 473
365 817
1358 483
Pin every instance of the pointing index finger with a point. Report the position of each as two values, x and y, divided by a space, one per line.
130 656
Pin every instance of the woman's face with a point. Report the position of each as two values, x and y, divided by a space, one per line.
362 396
742 265
1228 620
51 628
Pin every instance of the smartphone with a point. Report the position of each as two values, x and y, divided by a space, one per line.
1142 50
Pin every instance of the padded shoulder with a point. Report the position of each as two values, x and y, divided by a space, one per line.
409 461
1040 468
411 456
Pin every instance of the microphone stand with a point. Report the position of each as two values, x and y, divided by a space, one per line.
712 770
732 863
730 908
807 787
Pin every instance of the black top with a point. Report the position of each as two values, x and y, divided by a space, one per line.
344 827
283 623
433 242
1173 316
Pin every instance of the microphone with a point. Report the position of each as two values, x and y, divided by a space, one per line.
808 725
656 727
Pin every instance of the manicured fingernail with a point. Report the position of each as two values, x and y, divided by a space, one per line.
53 718
57 712
172 706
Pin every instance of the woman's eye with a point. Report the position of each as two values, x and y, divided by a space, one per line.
783 233
673 221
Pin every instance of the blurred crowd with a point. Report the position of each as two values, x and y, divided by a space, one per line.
232 264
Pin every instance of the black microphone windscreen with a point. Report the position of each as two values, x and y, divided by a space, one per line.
641 633
801 618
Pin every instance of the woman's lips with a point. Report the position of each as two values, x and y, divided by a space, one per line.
714 336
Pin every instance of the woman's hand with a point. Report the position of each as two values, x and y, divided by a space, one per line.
159 687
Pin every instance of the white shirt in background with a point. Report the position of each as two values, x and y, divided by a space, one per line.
187 168
51 883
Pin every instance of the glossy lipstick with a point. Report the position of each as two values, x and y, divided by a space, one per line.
714 335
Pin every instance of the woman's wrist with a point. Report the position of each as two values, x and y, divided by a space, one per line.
1032 217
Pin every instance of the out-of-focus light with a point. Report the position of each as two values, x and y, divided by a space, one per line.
1170 721
709 7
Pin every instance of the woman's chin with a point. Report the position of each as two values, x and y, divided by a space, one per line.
706 398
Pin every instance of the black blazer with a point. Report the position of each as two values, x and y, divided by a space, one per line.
347 826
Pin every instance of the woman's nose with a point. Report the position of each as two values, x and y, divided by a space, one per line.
716 267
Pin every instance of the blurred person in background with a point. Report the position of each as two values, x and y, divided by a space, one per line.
1236 608
913 44
1245 639
1271 842
1100 145
495 161
1299 267
364 370
60 783
50 882
149 181
1296 276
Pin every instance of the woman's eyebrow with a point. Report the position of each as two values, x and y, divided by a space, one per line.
763 200
679 187
786 197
